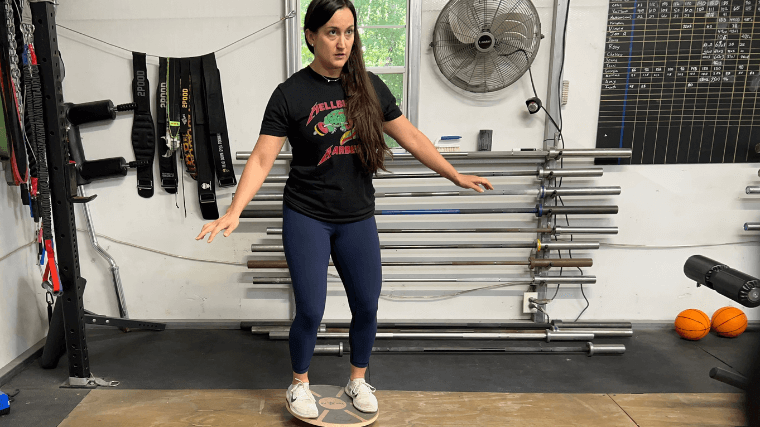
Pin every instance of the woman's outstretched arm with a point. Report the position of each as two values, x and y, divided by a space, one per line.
256 170
415 142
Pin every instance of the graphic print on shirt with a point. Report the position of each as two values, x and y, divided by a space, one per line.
334 121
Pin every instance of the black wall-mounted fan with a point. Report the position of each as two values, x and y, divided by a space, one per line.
483 46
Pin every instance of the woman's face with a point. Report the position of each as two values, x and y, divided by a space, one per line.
333 41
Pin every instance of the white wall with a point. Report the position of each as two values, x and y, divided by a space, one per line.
155 286
660 205
23 318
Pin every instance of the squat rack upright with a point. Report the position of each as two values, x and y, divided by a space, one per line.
66 332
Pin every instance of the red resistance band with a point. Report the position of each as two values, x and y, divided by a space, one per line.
51 271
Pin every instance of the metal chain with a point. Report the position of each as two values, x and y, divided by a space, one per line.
27 28
10 22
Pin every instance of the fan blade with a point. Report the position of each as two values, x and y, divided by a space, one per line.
445 37
513 32
448 48
512 23
463 21
463 64
484 68
501 71
476 73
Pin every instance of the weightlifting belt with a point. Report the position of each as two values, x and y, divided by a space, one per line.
143 133
219 142
186 123
167 163
206 195
174 92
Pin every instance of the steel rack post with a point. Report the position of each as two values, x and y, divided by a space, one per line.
72 284
67 328
551 134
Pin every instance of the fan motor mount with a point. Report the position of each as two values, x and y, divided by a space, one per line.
485 42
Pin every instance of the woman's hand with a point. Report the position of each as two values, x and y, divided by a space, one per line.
256 170
227 222
472 181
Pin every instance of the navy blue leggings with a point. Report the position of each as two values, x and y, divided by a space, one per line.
355 250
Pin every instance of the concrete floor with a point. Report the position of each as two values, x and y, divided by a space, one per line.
656 361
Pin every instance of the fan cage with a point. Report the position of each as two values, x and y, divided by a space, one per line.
483 46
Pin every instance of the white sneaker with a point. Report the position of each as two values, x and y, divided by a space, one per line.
301 401
362 395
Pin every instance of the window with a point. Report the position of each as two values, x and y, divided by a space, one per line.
383 31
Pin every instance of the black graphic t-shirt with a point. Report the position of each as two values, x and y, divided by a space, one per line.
327 181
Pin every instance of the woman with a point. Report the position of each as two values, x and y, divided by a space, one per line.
334 114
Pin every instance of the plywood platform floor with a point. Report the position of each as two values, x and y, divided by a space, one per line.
237 408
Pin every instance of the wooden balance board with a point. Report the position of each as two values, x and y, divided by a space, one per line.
335 409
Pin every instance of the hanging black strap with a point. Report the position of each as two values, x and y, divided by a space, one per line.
167 163
206 190
143 133
186 116
217 123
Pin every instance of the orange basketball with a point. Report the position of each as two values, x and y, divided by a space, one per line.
729 322
717 312
692 324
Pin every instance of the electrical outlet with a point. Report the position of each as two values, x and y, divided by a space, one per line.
526 303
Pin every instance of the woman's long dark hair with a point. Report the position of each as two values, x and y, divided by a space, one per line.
363 109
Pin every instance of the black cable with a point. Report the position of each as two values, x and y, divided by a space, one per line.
559 252
587 304
533 85
570 252
12 395
556 291
567 220
555 125
558 127
538 308
535 93
182 178
562 140
559 79
561 69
